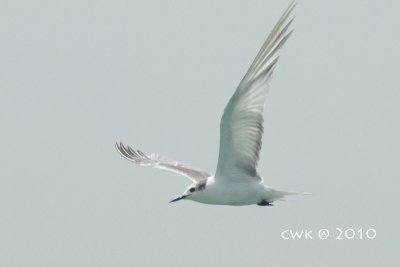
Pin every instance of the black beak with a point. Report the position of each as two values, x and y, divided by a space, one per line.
177 198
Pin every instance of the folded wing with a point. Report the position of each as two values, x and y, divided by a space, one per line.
241 125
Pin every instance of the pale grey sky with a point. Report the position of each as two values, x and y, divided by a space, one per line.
78 75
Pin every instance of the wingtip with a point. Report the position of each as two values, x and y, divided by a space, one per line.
118 145
121 149
292 5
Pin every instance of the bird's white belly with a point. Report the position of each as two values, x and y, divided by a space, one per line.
235 194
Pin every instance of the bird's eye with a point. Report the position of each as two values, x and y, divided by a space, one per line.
191 190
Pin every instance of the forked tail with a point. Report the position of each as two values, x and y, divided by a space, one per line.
282 194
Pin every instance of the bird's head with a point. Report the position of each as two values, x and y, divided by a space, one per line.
191 192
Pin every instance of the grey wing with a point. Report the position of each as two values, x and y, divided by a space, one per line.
156 161
241 125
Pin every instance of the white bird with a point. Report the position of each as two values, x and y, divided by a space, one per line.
236 181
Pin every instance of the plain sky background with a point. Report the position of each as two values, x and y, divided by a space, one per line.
76 76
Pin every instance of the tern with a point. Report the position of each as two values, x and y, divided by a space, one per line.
236 181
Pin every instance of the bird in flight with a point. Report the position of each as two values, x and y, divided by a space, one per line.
236 181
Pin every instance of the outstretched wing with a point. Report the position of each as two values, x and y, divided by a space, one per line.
156 161
241 125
